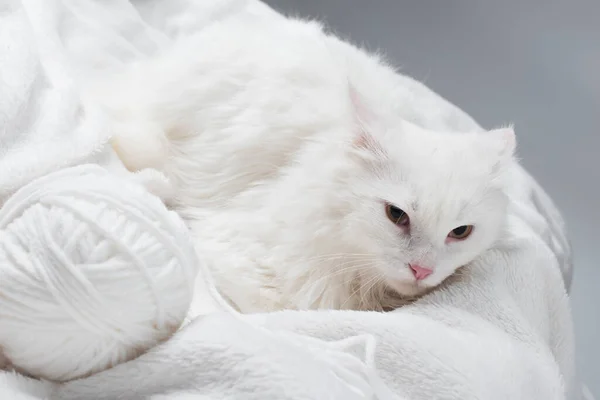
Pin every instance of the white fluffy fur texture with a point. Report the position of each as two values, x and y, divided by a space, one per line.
283 150
457 343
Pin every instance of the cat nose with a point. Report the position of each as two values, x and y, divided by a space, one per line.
420 272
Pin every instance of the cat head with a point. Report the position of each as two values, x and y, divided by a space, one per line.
424 202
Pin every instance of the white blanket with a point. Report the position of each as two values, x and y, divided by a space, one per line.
501 330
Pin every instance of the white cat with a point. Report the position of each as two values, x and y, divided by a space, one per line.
298 172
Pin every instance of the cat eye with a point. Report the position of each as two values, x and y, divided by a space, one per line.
396 215
461 233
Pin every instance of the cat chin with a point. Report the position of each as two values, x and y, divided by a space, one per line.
408 289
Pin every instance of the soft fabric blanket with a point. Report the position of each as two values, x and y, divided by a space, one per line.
501 329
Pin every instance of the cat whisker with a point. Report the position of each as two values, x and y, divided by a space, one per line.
367 291
313 286
361 286
352 268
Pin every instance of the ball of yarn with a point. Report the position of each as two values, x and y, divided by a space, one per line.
93 271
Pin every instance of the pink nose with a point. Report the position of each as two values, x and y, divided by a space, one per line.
420 272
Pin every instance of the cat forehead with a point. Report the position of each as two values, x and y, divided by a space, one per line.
442 153
441 181
442 171
427 142
440 160
440 186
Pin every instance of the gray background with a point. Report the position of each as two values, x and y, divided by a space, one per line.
533 63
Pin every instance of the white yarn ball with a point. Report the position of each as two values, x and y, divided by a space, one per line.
94 270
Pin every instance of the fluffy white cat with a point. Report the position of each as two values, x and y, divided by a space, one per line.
298 171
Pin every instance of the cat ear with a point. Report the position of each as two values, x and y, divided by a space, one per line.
364 119
506 141
361 111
